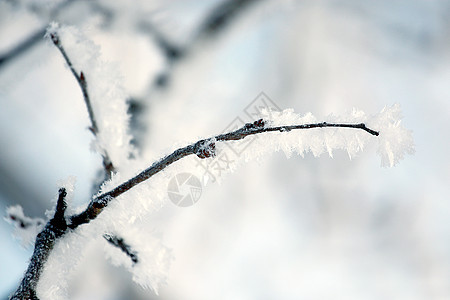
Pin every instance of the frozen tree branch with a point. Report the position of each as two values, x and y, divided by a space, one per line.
81 79
203 149
60 224
57 226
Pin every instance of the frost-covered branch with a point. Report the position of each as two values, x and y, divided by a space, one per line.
81 79
397 141
276 130
203 149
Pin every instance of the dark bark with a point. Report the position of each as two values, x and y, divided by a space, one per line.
45 241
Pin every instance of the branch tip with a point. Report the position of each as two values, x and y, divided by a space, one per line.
373 132
61 204
58 222
55 39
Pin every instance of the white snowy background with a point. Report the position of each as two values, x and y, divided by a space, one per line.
276 228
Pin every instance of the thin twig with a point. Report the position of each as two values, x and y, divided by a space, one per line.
81 79
202 148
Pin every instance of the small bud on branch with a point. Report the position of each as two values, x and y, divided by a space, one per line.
205 149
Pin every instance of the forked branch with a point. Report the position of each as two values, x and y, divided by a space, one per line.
60 225
204 148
